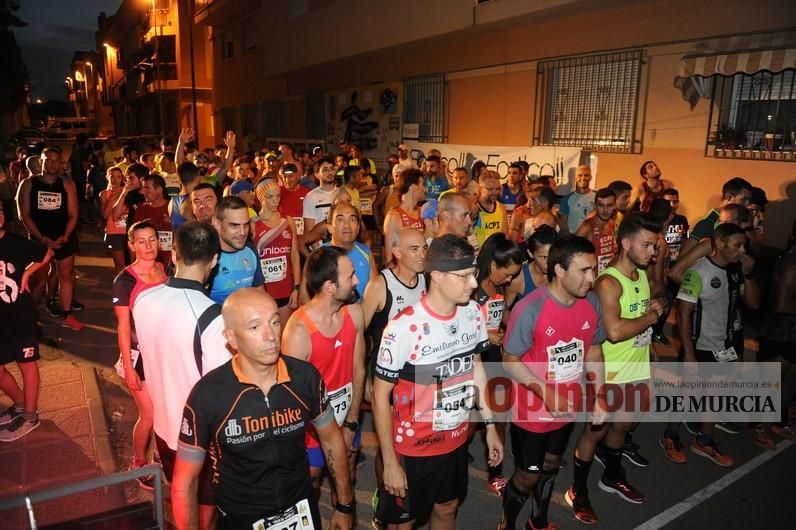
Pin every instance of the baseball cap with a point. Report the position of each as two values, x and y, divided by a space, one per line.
239 186
289 169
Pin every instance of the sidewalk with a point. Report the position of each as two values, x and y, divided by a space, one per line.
70 445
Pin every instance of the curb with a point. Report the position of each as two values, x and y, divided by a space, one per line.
99 425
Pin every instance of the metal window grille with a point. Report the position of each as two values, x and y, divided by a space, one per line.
424 104
753 116
589 101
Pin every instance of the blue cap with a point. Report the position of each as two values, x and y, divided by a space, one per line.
239 186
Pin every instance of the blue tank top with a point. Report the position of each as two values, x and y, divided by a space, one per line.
235 270
177 220
360 256
528 277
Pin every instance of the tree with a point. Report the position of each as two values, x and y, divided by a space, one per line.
12 89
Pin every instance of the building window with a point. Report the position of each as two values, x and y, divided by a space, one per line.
424 104
589 101
227 46
753 116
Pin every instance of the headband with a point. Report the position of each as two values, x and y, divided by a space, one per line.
450 265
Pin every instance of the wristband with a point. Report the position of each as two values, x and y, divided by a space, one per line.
295 287
489 421
347 509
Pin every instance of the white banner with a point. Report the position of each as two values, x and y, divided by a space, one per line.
559 162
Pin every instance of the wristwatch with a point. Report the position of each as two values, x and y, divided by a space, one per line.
352 426
347 509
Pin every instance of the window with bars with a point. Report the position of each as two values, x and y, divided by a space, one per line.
753 116
424 104
589 101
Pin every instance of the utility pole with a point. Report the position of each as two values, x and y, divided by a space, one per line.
193 74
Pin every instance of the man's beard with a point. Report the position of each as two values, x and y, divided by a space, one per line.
352 298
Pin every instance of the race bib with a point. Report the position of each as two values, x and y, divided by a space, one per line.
724 356
172 183
452 406
674 251
565 360
48 200
297 517
527 229
274 269
602 262
494 313
119 366
365 206
164 240
298 222
121 222
341 399
643 339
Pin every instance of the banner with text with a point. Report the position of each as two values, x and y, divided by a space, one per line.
559 162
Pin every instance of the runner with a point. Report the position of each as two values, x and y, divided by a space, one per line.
20 258
156 210
193 346
534 270
454 217
115 229
492 214
435 180
328 333
318 201
598 227
238 264
276 241
630 306
203 203
143 273
709 318
560 326
423 446
291 203
264 403
189 176
344 226
48 208
652 187
579 203
499 262
406 214
512 189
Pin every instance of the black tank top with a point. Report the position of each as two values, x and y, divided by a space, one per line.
48 207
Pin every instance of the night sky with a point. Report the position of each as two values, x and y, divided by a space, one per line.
55 30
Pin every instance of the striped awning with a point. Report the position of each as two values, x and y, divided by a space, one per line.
746 54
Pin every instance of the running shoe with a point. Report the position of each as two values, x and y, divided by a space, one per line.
711 451
729 427
582 507
693 427
146 482
52 308
761 437
72 323
630 451
784 431
497 485
673 449
17 428
8 415
77 306
622 488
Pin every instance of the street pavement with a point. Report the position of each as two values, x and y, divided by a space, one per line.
87 417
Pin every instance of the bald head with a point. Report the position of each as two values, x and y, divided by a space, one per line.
544 218
243 304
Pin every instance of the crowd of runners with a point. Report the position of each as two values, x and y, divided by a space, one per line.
265 299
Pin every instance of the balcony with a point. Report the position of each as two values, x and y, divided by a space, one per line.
221 12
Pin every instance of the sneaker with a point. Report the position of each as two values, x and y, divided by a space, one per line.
630 451
693 427
582 507
8 415
375 522
729 427
784 431
72 323
712 452
761 437
77 306
497 485
622 488
599 453
673 449
662 339
17 428
52 308
147 482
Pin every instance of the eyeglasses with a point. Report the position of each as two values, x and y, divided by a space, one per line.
465 275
